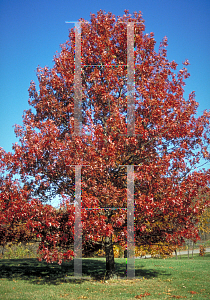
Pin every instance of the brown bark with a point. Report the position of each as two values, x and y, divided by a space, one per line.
110 266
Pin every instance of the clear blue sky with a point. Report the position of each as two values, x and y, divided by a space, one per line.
32 31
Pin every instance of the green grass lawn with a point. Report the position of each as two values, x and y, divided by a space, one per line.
155 279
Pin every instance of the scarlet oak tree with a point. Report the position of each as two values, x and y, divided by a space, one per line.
24 218
12 229
13 209
169 143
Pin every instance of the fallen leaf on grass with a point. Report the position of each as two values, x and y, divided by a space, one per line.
192 292
142 295
178 297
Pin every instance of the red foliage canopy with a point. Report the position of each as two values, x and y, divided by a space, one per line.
170 141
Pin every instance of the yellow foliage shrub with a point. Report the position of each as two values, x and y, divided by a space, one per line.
157 250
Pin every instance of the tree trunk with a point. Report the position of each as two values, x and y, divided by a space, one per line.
110 266
192 249
2 251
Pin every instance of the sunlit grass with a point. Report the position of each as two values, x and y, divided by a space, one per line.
155 278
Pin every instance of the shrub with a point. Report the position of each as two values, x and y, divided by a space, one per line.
202 250
157 250
20 250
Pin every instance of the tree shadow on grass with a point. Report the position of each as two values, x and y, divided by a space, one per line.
36 272
149 273
32 270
